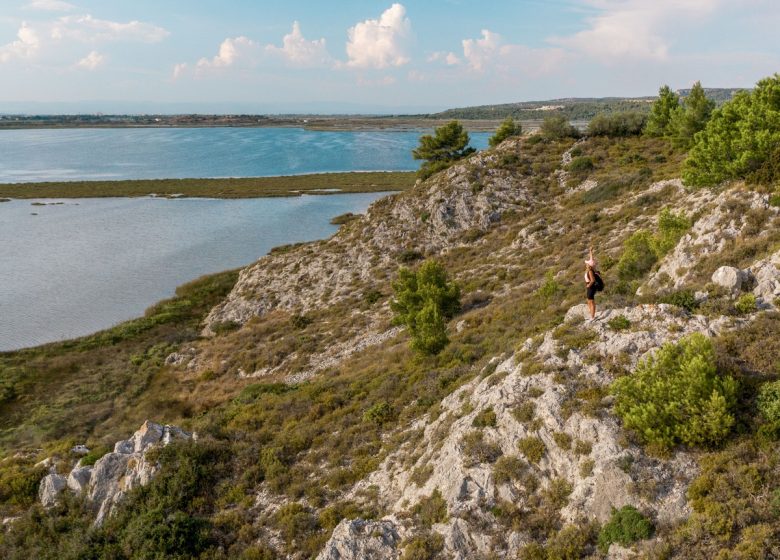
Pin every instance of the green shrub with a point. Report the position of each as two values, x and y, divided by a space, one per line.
746 303
671 228
769 402
533 448
774 200
619 323
19 484
739 139
508 468
505 130
477 450
379 413
677 396
300 321
524 412
580 165
430 509
568 544
638 256
485 418
224 327
562 440
550 288
686 299
690 117
423 301
94 454
614 125
423 547
557 128
626 526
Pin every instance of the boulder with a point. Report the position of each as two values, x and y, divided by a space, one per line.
51 486
78 479
728 277
359 539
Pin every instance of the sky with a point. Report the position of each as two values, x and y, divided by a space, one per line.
238 56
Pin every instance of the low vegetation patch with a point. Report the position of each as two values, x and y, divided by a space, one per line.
626 526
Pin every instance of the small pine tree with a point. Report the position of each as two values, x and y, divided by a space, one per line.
658 123
506 129
424 301
448 144
691 117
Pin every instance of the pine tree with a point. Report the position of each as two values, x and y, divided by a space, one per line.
505 130
448 144
691 117
661 112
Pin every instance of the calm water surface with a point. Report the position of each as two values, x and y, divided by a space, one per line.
86 264
132 153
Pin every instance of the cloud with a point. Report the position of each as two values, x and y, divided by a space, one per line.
300 52
179 70
379 43
92 61
230 51
449 58
50 6
27 44
87 29
633 28
490 52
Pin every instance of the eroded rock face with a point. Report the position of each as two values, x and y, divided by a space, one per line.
358 539
766 273
585 451
116 473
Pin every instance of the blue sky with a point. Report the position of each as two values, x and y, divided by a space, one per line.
366 55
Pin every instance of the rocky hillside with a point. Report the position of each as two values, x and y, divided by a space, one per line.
321 434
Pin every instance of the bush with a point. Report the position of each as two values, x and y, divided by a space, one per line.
485 418
614 125
740 138
557 128
423 547
423 301
686 299
746 303
690 117
671 228
550 288
477 450
638 256
378 414
505 130
430 509
625 527
533 448
769 402
19 484
448 144
619 323
508 469
677 396
94 454
580 165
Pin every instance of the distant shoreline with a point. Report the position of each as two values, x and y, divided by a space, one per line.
244 187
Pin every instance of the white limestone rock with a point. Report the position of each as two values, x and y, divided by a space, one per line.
78 479
359 539
50 487
729 278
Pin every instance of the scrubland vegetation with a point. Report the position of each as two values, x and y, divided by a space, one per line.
305 444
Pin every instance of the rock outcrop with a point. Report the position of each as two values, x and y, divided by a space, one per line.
359 540
114 474
579 448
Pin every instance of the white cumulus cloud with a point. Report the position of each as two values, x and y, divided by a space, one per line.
491 52
26 45
88 29
299 51
379 43
479 52
92 61
50 6
634 28
231 50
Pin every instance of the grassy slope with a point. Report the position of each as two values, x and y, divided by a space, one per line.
311 442
251 187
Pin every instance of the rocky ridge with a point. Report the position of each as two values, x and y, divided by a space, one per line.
107 481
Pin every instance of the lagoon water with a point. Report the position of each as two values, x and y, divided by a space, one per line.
150 153
86 264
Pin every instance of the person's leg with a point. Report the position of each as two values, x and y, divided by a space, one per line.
592 308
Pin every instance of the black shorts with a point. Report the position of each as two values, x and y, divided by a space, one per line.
591 292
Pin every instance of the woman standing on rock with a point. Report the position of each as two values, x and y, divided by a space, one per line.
593 283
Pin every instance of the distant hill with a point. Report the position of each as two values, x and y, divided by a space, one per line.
573 108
